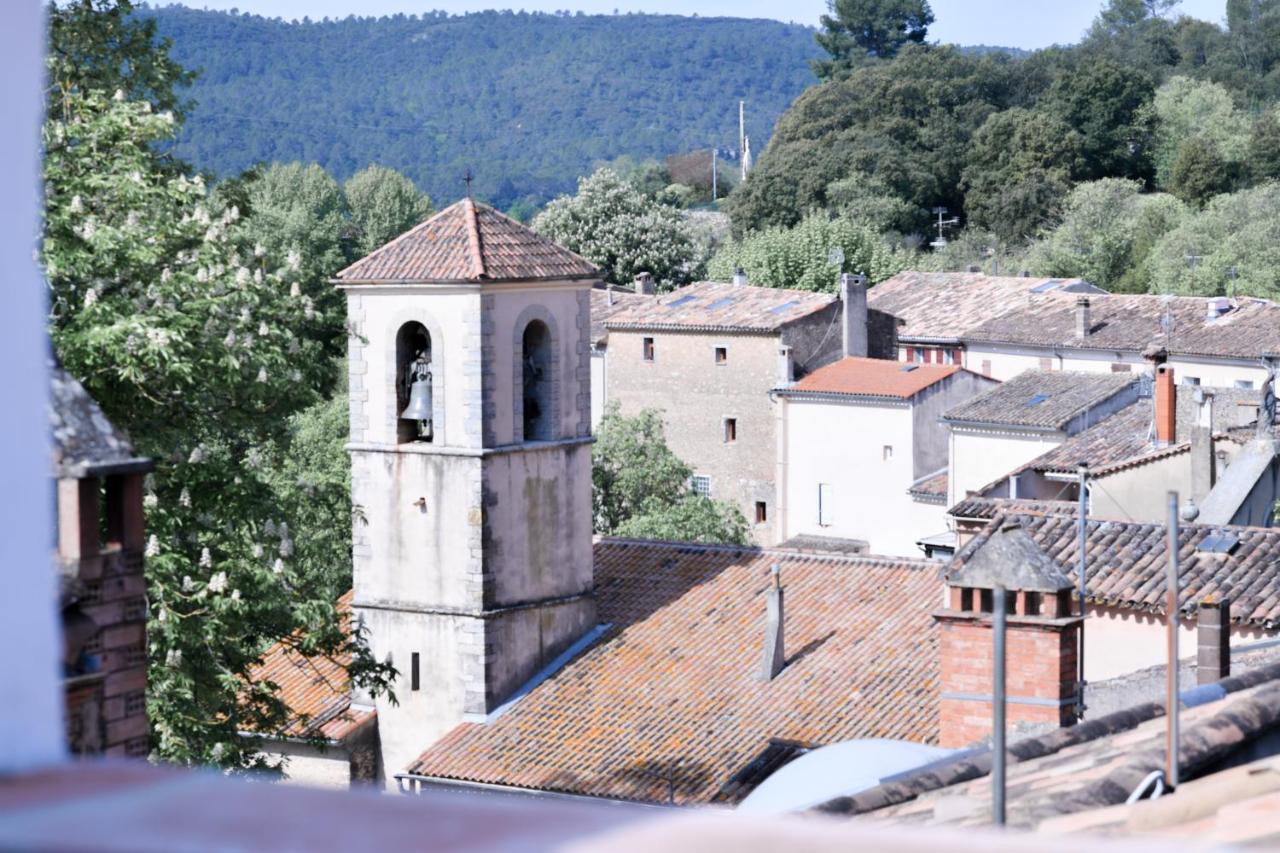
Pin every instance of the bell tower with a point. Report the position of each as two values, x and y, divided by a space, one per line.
471 464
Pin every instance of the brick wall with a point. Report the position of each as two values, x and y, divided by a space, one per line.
1040 665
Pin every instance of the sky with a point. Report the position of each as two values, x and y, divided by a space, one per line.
1009 23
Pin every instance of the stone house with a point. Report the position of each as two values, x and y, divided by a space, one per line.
99 557
859 439
707 356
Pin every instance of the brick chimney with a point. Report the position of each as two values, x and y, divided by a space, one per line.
1166 407
1041 641
774 655
853 297
645 284
1213 640
1084 324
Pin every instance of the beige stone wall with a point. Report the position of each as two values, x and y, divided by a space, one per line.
695 395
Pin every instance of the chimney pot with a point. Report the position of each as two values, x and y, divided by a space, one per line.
1084 324
1166 406
853 298
739 277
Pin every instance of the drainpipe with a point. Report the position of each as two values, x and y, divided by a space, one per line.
1082 545
997 707
1171 626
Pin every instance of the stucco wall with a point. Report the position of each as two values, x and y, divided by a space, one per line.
1008 361
979 457
1118 642
695 395
844 445
312 767
930 444
599 385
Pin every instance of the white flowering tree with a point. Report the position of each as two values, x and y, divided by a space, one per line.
201 344
621 230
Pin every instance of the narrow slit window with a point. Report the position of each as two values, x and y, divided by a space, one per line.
648 349
824 505
415 681
730 430
762 512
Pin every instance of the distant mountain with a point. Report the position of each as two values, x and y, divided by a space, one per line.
528 102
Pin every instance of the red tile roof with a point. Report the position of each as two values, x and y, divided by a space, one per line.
673 691
316 688
468 242
712 306
872 377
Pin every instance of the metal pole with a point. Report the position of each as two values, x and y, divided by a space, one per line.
1083 570
1171 622
713 174
997 708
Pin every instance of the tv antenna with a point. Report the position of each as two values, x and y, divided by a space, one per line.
942 223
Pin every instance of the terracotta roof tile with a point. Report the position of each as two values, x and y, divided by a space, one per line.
931 486
1128 562
468 242
607 302
942 306
872 377
1045 400
980 508
316 688
715 306
672 691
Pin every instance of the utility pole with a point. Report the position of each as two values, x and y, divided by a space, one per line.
742 128
714 152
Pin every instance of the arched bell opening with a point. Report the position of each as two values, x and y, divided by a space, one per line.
415 384
535 360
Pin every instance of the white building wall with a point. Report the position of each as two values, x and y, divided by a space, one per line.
979 457
1007 362
844 445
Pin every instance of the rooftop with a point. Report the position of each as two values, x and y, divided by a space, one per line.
871 377
1132 322
608 301
710 306
1128 561
672 692
931 485
943 306
85 443
1043 400
315 688
468 242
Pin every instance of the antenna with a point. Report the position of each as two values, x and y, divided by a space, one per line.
942 223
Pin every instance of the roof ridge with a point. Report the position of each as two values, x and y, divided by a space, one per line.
757 550
473 237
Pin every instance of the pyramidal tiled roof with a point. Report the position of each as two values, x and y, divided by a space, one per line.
468 242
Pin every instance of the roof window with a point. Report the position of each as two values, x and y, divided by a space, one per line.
724 302
1218 543
683 300
786 306
1037 400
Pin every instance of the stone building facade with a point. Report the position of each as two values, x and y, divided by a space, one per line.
99 557
472 548
708 355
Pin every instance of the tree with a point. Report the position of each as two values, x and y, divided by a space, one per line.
1020 166
858 30
383 204
200 345
1105 102
640 488
1106 231
1237 240
104 46
1186 109
621 230
1264 146
1199 172
810 256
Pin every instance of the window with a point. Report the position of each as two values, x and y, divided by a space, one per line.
722 355
648 349
986 367
762 512
928 356
414 679
1191 380
919 354
949 356
886 452
701 485
908 354
535 359
730 430
824 505
1046 364
1246 384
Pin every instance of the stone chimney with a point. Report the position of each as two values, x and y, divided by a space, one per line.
1202 462
1213 640
645 284
774 655
786 366
1084 323
1166 394
739 277
1041 641
853 296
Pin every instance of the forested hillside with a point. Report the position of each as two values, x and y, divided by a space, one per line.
528 102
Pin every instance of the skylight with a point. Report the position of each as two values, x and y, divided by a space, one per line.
778 309
723 302
1051 284
683 300
1037 400
909 367
1218 543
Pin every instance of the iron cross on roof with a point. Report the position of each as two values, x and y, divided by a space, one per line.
467 179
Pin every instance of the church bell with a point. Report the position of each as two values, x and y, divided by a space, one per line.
419 408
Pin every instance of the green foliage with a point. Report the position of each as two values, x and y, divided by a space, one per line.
1187 109
867 198
801 257
860 30
1264 146
641 489
1108 227
1199 171
383 204
527 101
101 46
621 230
1236 237
201 345
1104 102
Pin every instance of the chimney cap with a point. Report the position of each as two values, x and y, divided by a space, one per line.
1010 558
1082 300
